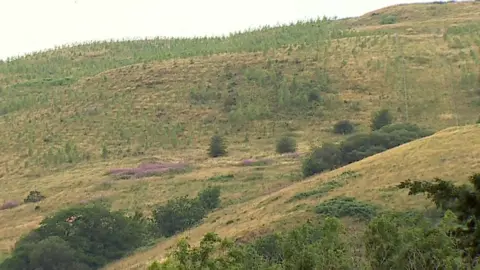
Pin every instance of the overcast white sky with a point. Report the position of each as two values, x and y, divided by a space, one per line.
31 25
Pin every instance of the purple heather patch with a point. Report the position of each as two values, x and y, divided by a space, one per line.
147 169
9 205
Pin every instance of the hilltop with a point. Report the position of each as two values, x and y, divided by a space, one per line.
71 114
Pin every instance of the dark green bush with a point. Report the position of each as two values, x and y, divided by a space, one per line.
182 213
343 127
92 233
210 197
380 119
325 158
286 145
178 215
50 253
217 147
33 197
360 146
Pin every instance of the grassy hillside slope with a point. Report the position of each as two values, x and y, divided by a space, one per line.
372 180
69 115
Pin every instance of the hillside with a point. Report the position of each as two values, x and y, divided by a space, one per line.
71 114
369 180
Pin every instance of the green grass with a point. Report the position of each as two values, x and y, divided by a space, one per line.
337 182
347 207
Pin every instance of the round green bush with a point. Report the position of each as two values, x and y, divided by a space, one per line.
286 145
343 127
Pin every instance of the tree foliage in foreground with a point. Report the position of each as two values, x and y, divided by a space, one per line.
391 241
90 236
463 200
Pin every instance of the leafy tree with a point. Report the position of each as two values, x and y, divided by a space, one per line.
94 234
381 119
343 127
217 147
286 145
463 201
400 242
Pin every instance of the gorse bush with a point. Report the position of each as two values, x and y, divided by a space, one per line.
286 144
343 127
217 146
380 119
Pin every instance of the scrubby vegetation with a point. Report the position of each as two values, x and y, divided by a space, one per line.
360 146
391 240
380 119
286 144
343 127
90 236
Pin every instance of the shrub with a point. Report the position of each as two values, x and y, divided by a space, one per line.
217 147
286 145
178 215
381 119
321 159
210 197
388 19
343 127
478 121
33 197
360 146
312 246
96 235
346 207
182 213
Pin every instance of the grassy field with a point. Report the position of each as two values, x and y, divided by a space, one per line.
69 115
